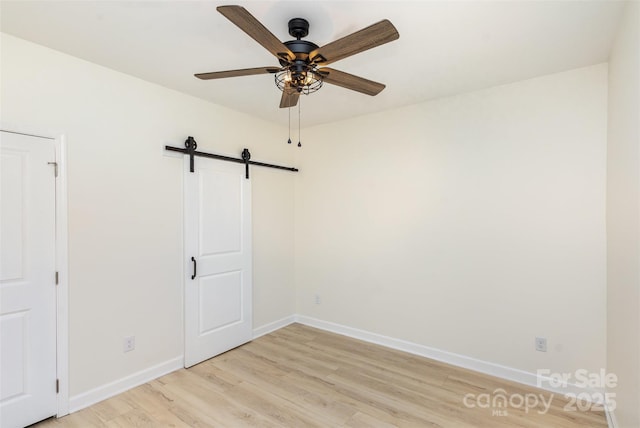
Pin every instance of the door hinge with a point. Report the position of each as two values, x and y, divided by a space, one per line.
57 386
55 167
57 278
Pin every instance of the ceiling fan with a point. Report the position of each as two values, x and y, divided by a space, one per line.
300 60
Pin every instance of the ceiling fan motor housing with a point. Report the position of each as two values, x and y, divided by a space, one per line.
301 49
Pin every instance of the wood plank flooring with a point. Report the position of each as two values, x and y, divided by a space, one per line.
300 377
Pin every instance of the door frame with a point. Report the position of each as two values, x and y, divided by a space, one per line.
62 259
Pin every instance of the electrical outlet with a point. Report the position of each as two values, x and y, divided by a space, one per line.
541 344
129 344
317 299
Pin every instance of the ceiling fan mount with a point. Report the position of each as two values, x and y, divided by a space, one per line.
298 28
300 60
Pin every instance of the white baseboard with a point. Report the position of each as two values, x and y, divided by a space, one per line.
273 326
103 392
492 369
611 418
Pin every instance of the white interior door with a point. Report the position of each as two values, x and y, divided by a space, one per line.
217 259
27 280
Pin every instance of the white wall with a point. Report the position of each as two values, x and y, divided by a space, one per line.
125 203
623 218
470 224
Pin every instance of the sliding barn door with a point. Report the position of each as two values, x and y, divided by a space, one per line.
27 280
217 259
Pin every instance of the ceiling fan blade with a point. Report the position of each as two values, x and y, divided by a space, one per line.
349 81
258 32
360 41
236 73
289 98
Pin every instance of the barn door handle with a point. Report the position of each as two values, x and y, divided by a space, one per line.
195 266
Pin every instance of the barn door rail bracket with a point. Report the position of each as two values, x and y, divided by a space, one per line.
190 147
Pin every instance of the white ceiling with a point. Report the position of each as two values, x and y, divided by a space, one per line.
445 47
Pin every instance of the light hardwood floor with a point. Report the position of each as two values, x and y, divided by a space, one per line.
300 377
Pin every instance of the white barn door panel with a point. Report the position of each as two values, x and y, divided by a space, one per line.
218 310
27 280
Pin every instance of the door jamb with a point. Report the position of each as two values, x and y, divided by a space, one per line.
61 262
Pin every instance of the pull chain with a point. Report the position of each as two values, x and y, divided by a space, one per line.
299 139
289 141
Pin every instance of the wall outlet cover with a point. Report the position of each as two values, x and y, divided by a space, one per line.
541 344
